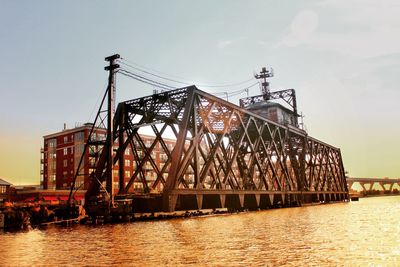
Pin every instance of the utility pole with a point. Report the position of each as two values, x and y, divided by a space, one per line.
264 74
112 67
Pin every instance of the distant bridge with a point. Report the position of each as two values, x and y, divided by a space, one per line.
371 182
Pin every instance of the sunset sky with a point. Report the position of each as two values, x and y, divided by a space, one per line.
342 57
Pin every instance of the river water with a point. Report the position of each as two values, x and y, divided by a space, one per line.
364 233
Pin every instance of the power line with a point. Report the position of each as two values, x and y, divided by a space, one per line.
168 87
238 92
145 80
142 69
155 75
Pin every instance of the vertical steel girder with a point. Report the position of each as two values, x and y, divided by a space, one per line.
207 145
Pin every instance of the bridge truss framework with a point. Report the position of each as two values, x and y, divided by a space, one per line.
224 156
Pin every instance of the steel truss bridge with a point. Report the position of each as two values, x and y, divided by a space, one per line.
223 157
372 181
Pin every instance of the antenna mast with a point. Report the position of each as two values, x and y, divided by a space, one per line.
112 67
264 74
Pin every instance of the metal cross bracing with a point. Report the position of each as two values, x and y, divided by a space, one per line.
210 153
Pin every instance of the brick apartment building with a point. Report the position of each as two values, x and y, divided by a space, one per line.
62 152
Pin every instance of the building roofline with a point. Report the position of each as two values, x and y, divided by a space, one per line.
4 182
87 126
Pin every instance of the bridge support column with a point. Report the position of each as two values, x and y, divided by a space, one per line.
241 200
271 199
170 202
222 199
199 199
257 196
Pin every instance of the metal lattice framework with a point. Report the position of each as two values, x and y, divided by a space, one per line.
212 153
288 95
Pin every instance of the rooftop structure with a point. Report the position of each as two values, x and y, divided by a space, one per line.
4 190
275 112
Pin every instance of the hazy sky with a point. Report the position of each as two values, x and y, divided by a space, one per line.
342 57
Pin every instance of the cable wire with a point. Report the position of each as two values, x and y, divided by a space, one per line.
168 87
141 68
145 80
155 75
234 93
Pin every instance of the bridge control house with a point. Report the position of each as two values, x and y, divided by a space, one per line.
275 112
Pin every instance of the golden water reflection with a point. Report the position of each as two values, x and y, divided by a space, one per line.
358 233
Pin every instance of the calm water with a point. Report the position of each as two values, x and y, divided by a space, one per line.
364 233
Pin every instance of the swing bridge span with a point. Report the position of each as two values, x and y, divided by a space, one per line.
223 155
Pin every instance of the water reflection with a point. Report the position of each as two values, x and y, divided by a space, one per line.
358 233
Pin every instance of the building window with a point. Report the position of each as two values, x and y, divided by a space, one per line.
65 163
127 162
52 143
65 151
116 185
65 139
127 174
3 189
127 151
